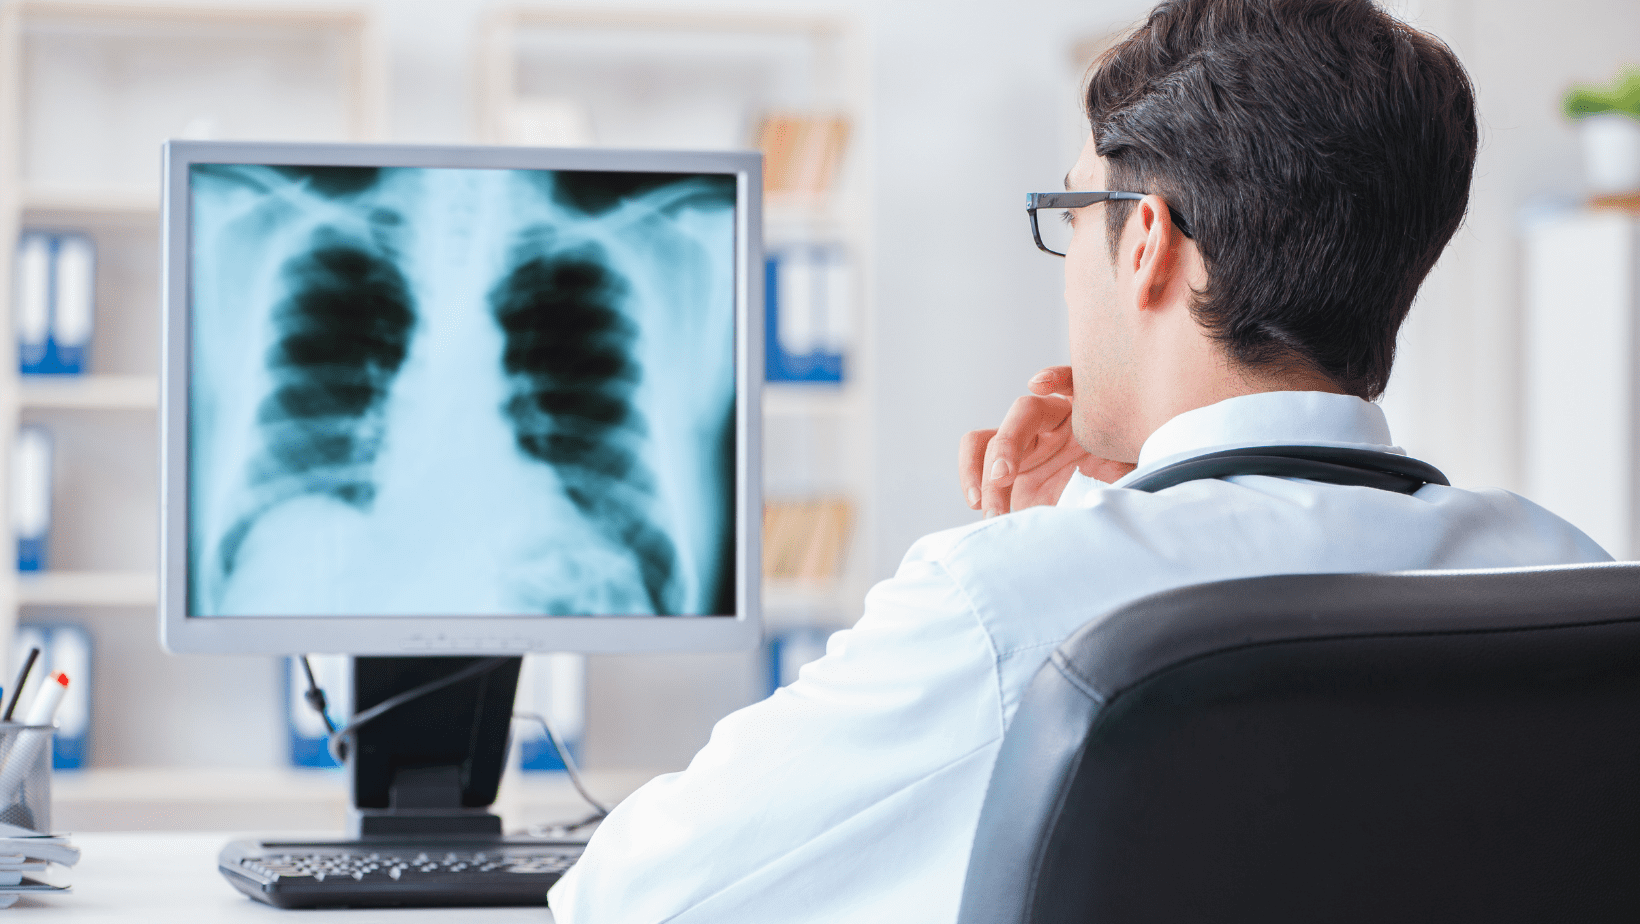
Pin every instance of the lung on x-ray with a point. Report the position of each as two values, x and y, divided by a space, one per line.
448 392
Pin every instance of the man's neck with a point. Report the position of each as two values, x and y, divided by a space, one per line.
1200 384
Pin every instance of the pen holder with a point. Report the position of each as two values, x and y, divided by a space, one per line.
25 775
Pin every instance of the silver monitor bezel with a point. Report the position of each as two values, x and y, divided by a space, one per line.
455 635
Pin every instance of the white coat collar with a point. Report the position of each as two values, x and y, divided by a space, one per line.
1275 418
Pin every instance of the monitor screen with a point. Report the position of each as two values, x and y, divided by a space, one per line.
456 399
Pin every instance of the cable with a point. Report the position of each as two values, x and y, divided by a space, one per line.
316 697
570 768
340 736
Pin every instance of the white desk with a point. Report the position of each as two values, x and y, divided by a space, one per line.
171 878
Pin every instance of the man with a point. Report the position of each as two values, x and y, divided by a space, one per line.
1296 167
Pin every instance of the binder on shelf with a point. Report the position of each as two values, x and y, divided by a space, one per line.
308 738
788 650
31 496
805 540
553 686
63 647
54 301
807 313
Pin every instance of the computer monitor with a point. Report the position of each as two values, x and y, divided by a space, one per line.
459 401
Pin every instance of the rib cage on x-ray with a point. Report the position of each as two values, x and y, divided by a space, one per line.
343 332
448 392
569 360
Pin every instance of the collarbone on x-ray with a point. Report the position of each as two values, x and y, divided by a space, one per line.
429 391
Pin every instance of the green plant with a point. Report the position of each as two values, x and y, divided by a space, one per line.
1623 95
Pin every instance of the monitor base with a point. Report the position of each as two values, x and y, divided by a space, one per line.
364 824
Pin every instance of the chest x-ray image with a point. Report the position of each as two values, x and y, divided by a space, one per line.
449 392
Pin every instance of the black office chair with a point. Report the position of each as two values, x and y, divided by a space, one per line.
1430 746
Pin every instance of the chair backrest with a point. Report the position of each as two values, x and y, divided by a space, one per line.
1424 746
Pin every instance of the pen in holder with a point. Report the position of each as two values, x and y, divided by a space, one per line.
25 775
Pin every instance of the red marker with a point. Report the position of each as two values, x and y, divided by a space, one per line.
44 707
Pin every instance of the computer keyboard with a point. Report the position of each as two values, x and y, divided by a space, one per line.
403 873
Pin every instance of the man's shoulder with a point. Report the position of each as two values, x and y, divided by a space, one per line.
1035 575
1038 534
1032 576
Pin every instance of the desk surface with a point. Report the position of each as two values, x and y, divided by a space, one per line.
171 878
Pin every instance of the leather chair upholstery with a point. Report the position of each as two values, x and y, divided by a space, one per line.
1424 746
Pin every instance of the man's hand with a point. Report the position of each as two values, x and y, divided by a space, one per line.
1028 460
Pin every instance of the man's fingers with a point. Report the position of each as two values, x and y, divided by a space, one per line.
1034 428
1028 418
998 469
1042 484
996 498
1013 446
1054 380
970 462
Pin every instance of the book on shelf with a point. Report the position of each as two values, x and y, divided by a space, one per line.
552 686
63 647
54 301
31 496
805 540
808 312
802 153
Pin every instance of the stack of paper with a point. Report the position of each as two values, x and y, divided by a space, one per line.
24 859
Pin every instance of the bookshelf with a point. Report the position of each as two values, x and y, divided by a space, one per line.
670 79
87 94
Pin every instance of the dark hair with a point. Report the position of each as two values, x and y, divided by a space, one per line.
1321 151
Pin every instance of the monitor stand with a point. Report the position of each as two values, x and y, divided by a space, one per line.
429 768
423 776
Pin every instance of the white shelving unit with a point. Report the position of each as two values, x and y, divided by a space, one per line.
700 81
87 95
1582 369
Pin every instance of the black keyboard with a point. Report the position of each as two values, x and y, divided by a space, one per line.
392 873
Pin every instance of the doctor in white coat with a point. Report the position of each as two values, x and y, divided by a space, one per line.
1293 170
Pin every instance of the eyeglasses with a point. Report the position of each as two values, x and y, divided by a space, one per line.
1053 235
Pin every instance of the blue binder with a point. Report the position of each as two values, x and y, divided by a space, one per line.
553 686
31 497
806 307
55 289
790 649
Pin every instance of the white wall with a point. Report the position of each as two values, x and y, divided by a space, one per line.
1456 397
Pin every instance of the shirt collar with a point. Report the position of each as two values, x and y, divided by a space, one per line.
1274 418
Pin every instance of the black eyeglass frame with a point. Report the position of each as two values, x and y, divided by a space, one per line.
1076 200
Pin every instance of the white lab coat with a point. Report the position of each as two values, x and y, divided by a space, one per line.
852 795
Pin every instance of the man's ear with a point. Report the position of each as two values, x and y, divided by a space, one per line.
1155 258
